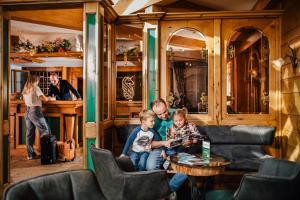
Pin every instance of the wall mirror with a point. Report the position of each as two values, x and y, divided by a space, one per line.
248 72
187 57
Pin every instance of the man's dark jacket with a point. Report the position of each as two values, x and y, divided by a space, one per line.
64 92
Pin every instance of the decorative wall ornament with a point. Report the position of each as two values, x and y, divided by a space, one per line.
293 46
265 98
203 54
203 104
230 51
128 85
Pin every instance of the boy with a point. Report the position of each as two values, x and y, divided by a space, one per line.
140 139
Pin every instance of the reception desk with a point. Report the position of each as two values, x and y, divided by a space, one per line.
64 119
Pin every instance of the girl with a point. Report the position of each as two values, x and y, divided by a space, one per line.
34 117
185 133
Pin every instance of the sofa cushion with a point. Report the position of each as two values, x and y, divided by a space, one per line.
124 131
242 157
69 185
241 134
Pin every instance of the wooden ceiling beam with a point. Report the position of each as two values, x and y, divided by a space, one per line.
249 42
63 18
261 4
126 7
186 42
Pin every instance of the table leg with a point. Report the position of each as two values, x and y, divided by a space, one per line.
195 192
69 126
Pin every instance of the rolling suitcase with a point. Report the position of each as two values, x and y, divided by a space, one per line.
48 149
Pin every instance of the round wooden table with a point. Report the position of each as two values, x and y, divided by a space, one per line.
215 166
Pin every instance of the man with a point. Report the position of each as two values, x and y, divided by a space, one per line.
163 121
61 88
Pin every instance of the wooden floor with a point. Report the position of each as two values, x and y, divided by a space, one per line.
21 168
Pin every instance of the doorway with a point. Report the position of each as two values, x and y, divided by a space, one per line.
44 40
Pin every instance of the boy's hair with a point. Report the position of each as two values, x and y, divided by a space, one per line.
157 101
145 114
182 112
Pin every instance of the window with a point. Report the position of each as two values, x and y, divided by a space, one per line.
129 62
187 56
248 72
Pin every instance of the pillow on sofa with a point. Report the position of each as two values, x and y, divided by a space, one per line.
240 134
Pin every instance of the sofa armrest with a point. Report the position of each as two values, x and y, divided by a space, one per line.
265 187
125 163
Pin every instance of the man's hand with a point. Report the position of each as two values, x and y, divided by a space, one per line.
167 143
51 98
79 99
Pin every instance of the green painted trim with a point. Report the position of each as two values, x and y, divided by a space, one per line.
5 158
101 66
89 142
91 68
151 65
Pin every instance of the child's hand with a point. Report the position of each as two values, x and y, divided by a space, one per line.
163 154
195 140
167 143
187 143
122 155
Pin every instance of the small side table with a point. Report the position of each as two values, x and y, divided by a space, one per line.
214 167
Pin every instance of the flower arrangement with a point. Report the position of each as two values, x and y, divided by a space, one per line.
58 45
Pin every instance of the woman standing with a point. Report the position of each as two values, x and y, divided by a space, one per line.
33 97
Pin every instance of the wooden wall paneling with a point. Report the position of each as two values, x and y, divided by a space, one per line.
113 71
291 103
109 69
217 105
290 82
290 85
270 27
291 145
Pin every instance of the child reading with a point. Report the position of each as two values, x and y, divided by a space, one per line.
185 133
140 140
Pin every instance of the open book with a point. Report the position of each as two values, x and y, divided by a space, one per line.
184 139
188 159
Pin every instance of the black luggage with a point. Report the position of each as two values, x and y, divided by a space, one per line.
48 149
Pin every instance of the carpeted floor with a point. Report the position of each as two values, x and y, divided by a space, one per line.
21 168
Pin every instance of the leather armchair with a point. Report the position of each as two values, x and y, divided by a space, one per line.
69 185
119 185
276 179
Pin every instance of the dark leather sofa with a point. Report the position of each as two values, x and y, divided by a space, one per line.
110 181
68 185
242 145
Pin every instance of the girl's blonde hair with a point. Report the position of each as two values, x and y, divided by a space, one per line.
31 83
181 112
